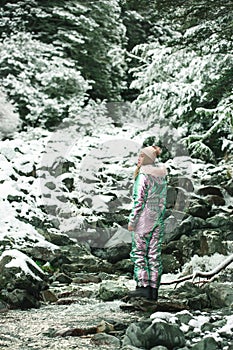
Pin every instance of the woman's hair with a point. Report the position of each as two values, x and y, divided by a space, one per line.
136 172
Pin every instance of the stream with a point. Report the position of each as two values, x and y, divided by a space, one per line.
35 328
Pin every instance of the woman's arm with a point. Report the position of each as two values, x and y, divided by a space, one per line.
139 196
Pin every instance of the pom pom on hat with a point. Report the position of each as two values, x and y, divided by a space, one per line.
152 152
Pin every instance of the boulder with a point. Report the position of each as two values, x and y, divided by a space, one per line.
220 294
208 343
148 334
21 280
199 208
210 190
120 236
212 241
102 339
110 290
118 247
221 220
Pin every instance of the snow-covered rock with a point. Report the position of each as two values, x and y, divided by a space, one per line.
21 279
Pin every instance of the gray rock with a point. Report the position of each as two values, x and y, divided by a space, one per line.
210 190
183 182
3 306
119 252
62 278
42 253
170 263
218 175
51 185
207 327
187 246
48 296
195 297
106 339
125 265
120 236
220 294
184 316
199 208
86 278
221 220
149 334
160 333
215 200
171 197
199 223
171 228
59 239
211 242
19 298
110 290
198 302
207 343
135 334
9 119
229 187
21 280
186 226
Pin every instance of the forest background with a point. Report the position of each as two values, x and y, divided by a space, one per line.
171 59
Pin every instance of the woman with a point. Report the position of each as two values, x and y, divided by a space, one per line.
146 222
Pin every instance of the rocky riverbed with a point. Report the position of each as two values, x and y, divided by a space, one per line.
79 319
43 328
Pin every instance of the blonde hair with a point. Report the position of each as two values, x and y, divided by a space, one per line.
136 172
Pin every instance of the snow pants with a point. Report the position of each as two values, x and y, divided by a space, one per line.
146 256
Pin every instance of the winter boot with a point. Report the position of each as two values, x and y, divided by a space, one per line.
141 292
154 294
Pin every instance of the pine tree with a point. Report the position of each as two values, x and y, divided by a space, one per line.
184 72
91 33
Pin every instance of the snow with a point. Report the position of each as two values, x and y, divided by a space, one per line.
9 188
184 328
46 150
19 233
197 322
228 327
21 260
165 316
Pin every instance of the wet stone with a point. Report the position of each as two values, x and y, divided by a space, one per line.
106 339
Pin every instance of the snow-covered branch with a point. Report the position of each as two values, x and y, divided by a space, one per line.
191 138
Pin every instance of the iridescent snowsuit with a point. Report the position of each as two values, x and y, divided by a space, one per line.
149 194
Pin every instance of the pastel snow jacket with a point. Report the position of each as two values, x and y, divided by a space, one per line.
149 195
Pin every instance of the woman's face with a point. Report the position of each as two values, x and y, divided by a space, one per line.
143 159
140 158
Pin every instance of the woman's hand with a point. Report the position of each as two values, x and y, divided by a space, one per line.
130 227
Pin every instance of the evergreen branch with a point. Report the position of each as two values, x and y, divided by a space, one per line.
136 57
189 139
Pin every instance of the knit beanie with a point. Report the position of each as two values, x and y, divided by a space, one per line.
152 152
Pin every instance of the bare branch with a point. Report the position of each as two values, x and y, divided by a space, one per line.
208 274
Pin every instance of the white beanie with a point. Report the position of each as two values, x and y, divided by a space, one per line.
152 152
